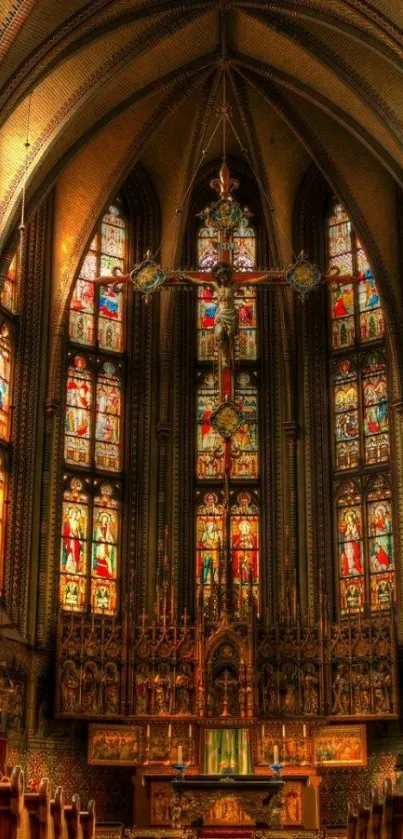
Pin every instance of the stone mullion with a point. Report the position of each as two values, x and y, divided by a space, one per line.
278 461
32 333
267 517
397 496
176 410
309 410
186 572
132 431
144 570
318 462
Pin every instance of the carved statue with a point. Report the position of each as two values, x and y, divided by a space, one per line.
16 709
163 692
382 681
111 688
341 691
69 687
268 690
89 688
310 686
141 688
182 691
290 699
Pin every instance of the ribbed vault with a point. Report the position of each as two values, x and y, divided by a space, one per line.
113 82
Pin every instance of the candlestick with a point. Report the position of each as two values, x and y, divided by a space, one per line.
275 755
180 756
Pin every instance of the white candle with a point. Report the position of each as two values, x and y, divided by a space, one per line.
275 755
169 731
190 731
262 729
180 756
304 732
283 732
148 732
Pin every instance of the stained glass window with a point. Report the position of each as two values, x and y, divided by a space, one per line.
5 382
245 296
93 422
210 445
228 540
355 306
245 553
346 419
97 312
105 537
209 551
350 550
207 248
375 398
244 247
74 547
244 449
78 417
380 544
361 424
8 297
108 419
3 489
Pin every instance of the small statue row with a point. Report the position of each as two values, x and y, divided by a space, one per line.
164 691
89 690
362 689
288 690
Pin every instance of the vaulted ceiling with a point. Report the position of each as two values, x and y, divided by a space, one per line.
108 83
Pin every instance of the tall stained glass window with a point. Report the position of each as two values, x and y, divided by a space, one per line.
360 424
227 552
93 425
8 309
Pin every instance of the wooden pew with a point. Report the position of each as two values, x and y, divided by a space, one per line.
352 820
362 828
13 815
33 815
37 804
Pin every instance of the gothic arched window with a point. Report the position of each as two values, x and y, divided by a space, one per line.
93 426
8 308
236 532
361 443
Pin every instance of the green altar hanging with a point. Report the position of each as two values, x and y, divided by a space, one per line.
227 751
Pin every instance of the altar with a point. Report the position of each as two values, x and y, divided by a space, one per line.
258 800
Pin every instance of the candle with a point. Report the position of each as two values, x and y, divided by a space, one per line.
180 756
262 729
148 732
275 755
283 732
169 731
190 731
304 732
